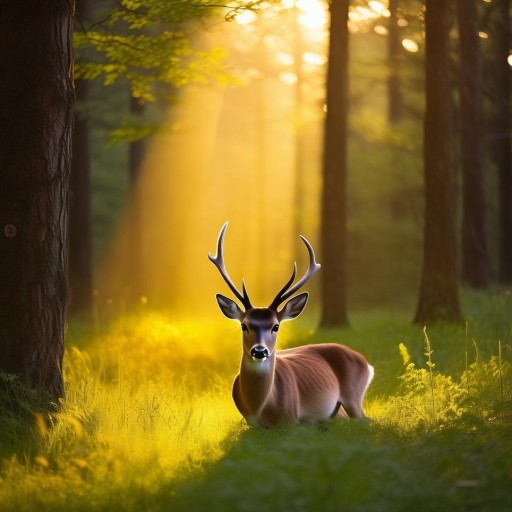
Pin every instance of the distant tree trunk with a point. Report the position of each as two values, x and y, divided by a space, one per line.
334 202
475 236
137 149
80 229
36 95
438 299
395 98
501 145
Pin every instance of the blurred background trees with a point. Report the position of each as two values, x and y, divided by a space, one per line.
246 144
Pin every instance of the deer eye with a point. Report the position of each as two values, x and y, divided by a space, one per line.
275 328
244 328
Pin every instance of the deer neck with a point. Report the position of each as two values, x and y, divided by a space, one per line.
256 381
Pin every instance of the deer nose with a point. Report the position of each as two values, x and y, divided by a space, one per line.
259 353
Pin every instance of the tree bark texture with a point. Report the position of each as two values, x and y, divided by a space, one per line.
36 95
334 188
475 235
438 299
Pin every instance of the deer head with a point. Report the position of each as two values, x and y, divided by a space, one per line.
260 325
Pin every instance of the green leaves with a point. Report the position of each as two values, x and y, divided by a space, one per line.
150 42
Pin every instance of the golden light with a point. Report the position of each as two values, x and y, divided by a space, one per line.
206 186
402 22
509 60
285 58
410 45
353 28
378 7
245 17
314 14
381 30
315 59
483 35
366 13
288 78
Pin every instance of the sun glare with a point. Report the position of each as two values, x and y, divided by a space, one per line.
314 14
314 59
410 45
245 17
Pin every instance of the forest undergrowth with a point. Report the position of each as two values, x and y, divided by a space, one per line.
148 422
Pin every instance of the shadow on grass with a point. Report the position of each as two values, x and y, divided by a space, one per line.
353 466
18 404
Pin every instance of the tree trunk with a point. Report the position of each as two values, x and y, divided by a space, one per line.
80 230
334 228
438 299
137 149
475 236
501 145
36 95
395 99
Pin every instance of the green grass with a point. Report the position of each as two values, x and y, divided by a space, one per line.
149 423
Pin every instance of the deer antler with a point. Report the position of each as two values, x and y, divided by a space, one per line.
286 291
218 261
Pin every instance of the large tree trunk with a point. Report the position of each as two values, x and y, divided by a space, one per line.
439 299
334 228
36 95
475 236
502 133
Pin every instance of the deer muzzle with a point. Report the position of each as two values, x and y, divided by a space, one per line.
259 353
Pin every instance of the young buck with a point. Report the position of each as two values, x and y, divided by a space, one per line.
307 384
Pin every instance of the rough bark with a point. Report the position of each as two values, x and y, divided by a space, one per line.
36 95
438 298
475 236
334 228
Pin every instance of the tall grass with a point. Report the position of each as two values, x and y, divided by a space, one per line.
148 424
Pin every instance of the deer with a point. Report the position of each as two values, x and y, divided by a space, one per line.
306 384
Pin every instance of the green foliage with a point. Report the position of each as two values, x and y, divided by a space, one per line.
149 424
428 400
148 42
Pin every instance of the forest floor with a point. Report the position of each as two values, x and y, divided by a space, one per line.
149 425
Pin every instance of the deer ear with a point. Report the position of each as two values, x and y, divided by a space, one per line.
293 308
229 307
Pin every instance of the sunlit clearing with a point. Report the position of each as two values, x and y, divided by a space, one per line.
150 399
227 153
410 45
